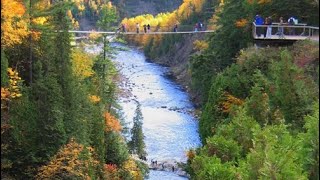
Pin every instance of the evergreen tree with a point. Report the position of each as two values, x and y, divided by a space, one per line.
4 67
116 149
137 144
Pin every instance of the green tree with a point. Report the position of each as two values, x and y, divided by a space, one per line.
273 156
290 91
309 143
108 16
136 144
4 67
116 149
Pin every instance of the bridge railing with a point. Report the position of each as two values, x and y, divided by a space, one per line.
286 31
181 28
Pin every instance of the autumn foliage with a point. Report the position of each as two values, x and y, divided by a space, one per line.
81 64
112 123
131 166
13 26
13 91
229 102
163 21
111 171
72 161
200 45
241 23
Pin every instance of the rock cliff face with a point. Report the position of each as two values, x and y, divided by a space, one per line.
130 8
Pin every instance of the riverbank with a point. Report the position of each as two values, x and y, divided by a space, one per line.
169 126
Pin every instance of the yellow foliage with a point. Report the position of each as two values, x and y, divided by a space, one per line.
109 5
212 25
13 26
112 123
229 101
131 166
241 23
13 90
259 1
72 160
94 99
200 45
94 36
81 64
163 21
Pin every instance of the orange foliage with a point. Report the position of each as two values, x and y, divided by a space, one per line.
111 172
13 26
241 23
112 123
191 154
230 101
72 161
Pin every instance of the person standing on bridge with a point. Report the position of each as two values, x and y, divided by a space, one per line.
175 29
196 26
124 28
138 28
200 26
148 26
145 28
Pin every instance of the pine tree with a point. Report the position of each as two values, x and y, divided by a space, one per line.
137 145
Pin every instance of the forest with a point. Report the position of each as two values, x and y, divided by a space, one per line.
259 107
59 118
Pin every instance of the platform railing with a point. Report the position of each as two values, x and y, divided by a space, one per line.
285 31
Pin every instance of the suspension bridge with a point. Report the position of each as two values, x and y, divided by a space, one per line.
289 32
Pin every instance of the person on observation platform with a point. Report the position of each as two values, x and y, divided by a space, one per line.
258 20
269 28
292 21
280 32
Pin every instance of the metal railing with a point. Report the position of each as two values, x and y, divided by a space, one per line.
285 31
181 28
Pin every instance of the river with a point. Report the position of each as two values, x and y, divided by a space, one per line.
169 127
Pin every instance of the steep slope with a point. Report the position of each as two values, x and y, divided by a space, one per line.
130 8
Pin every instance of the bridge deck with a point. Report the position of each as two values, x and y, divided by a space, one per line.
141 33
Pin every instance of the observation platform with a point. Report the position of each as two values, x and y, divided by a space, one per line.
290 32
